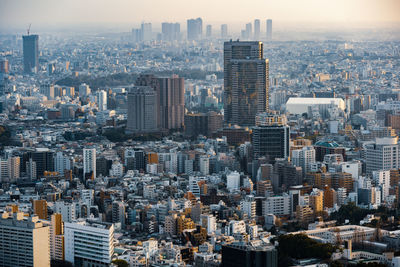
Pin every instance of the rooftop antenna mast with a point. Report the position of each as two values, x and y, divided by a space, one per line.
29 28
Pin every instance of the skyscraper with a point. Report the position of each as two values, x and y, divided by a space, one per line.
271 137
208 31
269 29
142 110
146 31
256 29
246 82
194 29
169 98
224 30
170 31
31 53
89 161
102 100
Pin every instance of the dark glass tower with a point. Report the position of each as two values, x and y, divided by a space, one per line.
246 82
31 53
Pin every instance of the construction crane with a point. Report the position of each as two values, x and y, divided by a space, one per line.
29 28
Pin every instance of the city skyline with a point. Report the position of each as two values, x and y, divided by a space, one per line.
286 14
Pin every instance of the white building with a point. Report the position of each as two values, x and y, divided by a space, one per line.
102 100
383 154
248 206
84 90
277 205
89 161
300 105
204 165
67 210
382 179
303 158
237 227
89 243
233 181
61 163
117 169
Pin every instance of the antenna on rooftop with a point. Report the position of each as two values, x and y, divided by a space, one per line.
29 28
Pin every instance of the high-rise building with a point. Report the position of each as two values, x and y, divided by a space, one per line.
102 100
271 137
4 66
84 90
383 154
256 29
194 29
142 110
56 237
224 30
47 90
170 99
170 31
303 158
66 209
24 241
246 82
269 29
89 161
40 208
146 31
61 163
89 243
31 53
43 158
208 31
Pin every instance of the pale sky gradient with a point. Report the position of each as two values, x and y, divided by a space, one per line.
50 13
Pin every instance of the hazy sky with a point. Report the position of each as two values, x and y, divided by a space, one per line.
51 13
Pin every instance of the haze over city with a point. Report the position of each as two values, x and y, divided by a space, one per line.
180 133
17 14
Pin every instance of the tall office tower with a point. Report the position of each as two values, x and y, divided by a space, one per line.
303 158
224 30
47 90
170 31
136 35
208 31
43 159
24 241
61 163
89 243
40 208
84 90
257 29
89 161
246 82
269 29
31 53
249 31
271 137
31 171
146 31
56 237
102 100
4 66
142 110
383 154
170 99
194 29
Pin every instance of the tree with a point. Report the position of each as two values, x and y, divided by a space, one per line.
120 263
